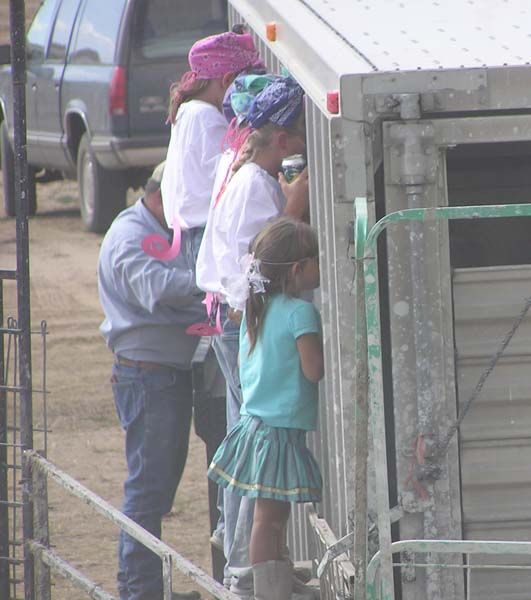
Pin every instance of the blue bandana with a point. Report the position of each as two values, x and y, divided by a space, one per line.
280 103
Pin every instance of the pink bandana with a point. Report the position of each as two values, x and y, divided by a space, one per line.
218 55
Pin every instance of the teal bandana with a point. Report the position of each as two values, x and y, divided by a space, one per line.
241 93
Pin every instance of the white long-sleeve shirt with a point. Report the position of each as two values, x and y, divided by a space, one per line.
251 199
191 162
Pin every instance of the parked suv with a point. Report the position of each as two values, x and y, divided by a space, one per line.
98 76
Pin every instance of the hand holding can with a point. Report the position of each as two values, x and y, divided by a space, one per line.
292 166
296 194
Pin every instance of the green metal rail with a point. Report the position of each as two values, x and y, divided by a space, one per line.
448 547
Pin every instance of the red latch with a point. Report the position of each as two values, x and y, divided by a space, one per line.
332 101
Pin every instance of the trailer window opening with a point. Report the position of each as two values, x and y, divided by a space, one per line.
162 33
490 174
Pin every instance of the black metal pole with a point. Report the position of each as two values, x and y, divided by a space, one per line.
18 71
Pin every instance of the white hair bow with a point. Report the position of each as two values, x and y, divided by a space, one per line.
236 288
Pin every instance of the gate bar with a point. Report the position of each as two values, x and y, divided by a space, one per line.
55 562
361 407
448 547
4 487
374 360
167 554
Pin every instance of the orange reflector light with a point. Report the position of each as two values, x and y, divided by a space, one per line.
271 31
332 102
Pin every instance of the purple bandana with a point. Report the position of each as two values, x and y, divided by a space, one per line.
281 103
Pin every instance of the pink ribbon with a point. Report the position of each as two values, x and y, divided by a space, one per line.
239 141
158 247
212 326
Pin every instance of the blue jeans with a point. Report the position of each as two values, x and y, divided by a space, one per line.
196 234
155 410
237 511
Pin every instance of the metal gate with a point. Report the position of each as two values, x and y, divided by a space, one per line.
16 406
494 439
418 321
425 551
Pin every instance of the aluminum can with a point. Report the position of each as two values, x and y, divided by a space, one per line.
292 166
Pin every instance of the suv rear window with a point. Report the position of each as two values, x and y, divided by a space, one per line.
167 29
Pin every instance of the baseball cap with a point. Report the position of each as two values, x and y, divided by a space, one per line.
157 172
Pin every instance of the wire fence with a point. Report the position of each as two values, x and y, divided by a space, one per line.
11 494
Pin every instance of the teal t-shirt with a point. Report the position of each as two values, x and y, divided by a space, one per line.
274 387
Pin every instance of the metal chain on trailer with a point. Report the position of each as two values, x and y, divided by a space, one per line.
443 446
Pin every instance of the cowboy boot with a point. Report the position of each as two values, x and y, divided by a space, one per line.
273 580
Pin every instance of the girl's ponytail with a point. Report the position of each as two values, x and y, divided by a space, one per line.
187 88
254 317
255 140
245 154
279 246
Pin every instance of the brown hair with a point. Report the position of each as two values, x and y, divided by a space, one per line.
261 138
280 245
182 91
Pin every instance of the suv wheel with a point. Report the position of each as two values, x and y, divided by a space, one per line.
8 174
102 193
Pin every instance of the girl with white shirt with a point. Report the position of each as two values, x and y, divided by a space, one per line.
255 194
199 127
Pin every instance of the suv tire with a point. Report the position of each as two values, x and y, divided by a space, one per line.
8 175
102 193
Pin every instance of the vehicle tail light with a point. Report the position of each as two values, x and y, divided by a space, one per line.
118 93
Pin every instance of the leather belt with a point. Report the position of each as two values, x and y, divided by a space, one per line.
143 364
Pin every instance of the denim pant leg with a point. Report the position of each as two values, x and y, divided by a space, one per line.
155 410
237 511
226 346
238 559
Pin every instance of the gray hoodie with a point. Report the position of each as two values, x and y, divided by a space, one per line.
148 303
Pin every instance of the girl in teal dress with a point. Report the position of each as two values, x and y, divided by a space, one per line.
265 456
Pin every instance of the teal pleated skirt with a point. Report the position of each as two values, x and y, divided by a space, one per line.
260 461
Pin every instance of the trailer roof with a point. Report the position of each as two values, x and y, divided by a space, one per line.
463 55
424 34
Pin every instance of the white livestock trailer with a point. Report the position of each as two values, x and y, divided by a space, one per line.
419 105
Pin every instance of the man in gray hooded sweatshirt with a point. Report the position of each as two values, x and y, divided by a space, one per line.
148 304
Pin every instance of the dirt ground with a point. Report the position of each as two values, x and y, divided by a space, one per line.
85 438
